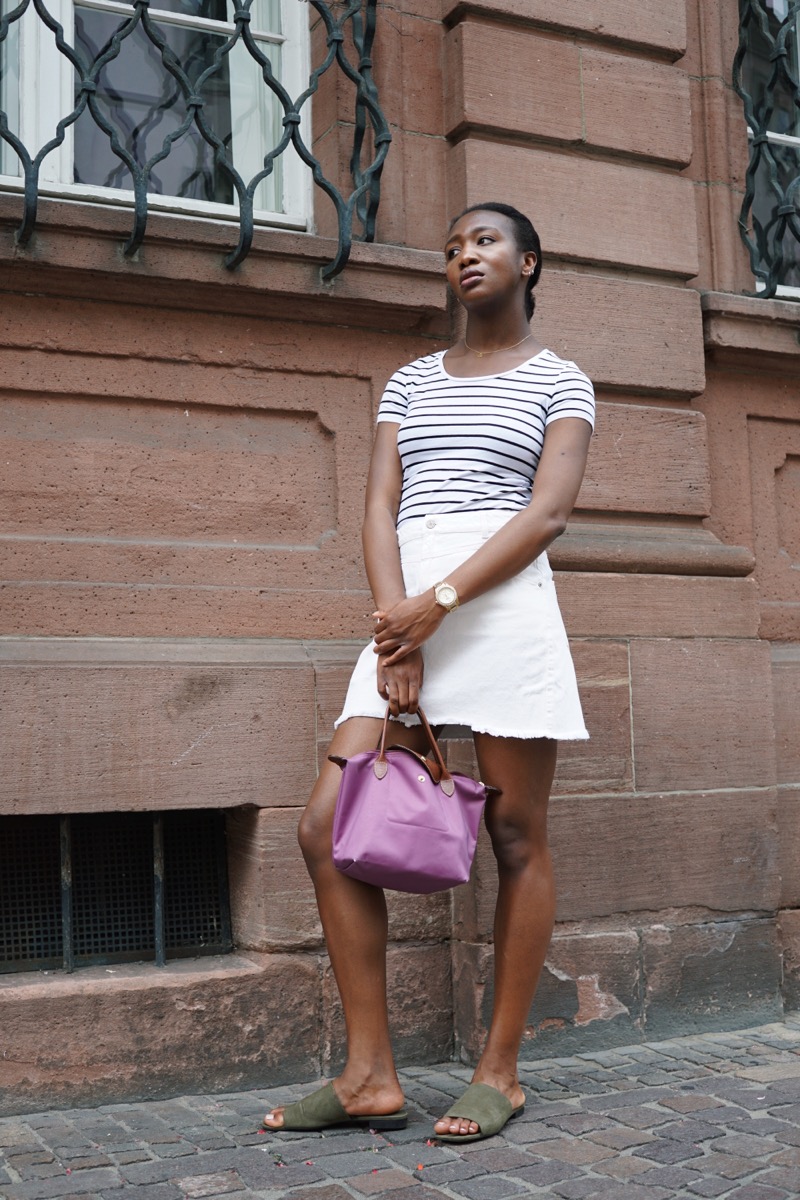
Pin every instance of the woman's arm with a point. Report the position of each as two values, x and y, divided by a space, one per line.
400 681
406 624
379 531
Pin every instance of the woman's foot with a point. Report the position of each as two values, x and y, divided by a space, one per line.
366 1100
461 1126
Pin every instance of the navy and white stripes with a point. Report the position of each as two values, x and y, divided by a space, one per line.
468 444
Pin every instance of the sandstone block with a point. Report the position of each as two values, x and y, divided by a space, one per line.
419 918
622 854
720 975
591 210
472 966
140 1032
785 691
333 665
789 932
789 845
605 762
689 700
774 451
588 994
601 604
623 475
653 96
417 208
272 899
408 46
652 335
474 903
94 732
138 610
482 82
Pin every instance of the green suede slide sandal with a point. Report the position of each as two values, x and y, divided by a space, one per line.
323 1110
486 1107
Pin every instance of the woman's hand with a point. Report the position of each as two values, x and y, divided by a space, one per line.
405 626
399 684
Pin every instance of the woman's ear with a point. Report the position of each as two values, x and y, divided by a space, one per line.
528 262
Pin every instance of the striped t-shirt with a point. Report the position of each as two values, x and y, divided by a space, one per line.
468 444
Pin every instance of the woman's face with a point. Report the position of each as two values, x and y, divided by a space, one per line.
483 259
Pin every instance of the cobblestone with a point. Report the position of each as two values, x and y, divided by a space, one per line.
714 1116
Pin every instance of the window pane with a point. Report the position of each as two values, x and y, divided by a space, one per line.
145 104
9 88
787 161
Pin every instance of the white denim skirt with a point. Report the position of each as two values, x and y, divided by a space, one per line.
501 663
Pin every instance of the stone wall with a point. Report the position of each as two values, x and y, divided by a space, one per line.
186 452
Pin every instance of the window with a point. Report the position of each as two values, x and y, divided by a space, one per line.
112 887
766 77
145 84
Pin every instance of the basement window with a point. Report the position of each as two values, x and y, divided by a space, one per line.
90 889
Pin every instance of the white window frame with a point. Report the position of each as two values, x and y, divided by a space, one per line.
41 108
782 139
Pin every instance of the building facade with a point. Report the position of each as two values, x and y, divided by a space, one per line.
185 448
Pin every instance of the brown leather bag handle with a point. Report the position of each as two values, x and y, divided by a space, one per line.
381 764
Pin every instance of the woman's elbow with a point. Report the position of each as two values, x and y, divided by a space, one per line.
556 524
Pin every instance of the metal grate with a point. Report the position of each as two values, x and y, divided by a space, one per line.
186 76
112 887
195 883
765 75
30 893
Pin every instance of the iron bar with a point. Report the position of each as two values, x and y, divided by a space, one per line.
66 894
348 24
158 890
769 219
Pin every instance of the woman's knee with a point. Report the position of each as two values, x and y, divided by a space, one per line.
314 837
517 842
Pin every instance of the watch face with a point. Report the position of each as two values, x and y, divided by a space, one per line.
446 595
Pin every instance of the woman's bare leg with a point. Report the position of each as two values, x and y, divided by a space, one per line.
354 922
525 911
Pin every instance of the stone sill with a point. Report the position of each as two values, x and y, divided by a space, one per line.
737 327
133 977
77 247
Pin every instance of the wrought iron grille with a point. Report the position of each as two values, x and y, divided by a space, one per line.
180 103
112 887
765 75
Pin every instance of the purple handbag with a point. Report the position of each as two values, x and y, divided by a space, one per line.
403 821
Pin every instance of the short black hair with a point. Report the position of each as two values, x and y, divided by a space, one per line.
527 240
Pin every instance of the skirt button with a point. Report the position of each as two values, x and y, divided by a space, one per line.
431 523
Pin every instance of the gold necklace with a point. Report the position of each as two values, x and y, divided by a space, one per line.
483 353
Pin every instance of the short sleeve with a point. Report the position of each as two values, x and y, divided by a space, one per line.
573 396
394 402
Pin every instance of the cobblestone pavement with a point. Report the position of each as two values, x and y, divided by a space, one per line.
716 1116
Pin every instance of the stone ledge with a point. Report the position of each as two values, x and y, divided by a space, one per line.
651 550
119 651
736 327
77 251
144 1031
656 27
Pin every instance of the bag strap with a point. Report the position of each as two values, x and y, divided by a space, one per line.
381 765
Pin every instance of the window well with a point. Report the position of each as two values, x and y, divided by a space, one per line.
89 889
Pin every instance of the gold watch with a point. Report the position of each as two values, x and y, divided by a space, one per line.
446 595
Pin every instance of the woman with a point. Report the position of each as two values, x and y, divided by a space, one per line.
467 622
